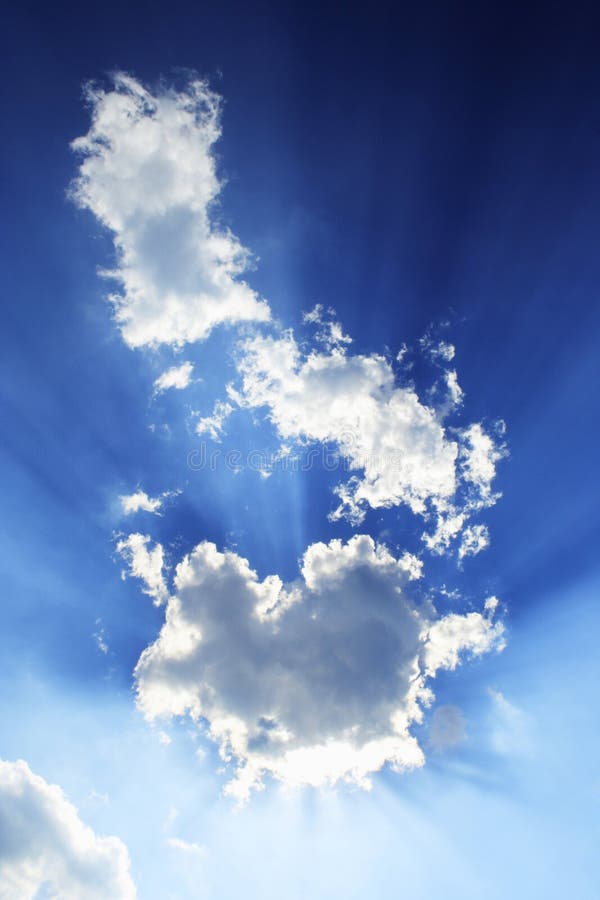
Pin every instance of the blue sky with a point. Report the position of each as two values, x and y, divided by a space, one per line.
423 173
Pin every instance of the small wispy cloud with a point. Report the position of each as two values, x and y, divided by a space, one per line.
319 679
511 730
176 378
100 637
188 847
214 424
139 501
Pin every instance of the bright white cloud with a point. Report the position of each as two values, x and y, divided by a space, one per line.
145 563
455 392
351 401
148 174
399 448
140 501
175 378
100 637
313 681
328 330
46 848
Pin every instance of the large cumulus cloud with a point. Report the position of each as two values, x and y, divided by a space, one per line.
312 681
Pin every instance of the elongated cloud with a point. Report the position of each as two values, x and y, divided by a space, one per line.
313 681
145 563
399 447
46 848
148 174
139 500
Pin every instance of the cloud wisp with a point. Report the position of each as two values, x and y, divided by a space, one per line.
140 501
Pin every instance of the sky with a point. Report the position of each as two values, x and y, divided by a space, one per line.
299 363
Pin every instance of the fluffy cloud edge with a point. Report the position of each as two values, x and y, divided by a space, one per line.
249 658
45 845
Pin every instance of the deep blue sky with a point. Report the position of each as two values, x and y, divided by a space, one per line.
403 164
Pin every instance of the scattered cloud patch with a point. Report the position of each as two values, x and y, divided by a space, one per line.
214 425
314 681
480 453
148 174
45 848
328 330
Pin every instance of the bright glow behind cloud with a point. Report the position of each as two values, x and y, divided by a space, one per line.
313 681
148 174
